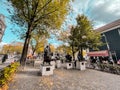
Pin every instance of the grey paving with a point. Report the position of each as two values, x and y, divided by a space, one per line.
6 63
63 79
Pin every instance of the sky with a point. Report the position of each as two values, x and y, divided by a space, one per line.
100 12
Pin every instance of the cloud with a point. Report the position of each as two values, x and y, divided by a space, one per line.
2 44
99 11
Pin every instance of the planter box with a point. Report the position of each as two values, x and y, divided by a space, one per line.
46 70
81 65
53 64
58 63
69 65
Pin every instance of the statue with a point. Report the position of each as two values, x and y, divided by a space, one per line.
47 55
68 57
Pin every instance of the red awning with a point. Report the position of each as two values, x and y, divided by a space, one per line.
98 53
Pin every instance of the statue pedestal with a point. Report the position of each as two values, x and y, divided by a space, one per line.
0 61
53 64
69 65
58 63
46 70
81 65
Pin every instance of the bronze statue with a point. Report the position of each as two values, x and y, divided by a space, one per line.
47 55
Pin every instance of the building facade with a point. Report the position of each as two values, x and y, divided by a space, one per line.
2 26
111 37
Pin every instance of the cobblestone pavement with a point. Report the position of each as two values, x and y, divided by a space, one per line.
63 79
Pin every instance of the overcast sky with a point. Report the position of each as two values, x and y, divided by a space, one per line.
100 12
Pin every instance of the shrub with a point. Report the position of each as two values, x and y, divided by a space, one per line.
7 72
110 68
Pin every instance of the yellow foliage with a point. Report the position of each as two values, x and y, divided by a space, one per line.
7 73
12 48
52 48
64 49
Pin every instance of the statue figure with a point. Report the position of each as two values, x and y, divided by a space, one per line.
47 55
68 57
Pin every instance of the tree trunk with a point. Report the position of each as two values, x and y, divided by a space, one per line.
25 48
33 51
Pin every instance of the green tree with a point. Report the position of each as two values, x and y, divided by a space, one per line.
73 41
32 14
38 40
64 49
83 36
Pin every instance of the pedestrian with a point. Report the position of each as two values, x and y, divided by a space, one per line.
4 58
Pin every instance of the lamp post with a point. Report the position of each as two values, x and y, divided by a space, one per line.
108 47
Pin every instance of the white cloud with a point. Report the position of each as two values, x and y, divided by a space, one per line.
2 44
99 11
100 2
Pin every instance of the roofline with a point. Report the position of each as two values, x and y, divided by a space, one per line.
109 27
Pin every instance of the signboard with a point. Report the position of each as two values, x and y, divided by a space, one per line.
98 53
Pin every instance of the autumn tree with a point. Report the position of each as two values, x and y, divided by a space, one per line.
11 48
52 47
73 41
38 40
60 49
64 49
32 14
83 36
63 35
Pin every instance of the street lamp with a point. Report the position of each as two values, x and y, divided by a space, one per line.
108 47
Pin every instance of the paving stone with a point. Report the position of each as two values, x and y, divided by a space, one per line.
63 79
